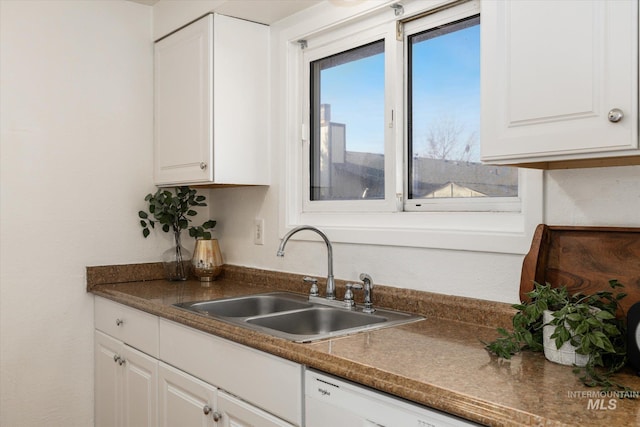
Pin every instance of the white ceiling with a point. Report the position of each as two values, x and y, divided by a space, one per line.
263 11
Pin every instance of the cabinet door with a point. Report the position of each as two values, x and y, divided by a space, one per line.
139 389
126 385
237 413
552 72
243 371
184 105
108 397
184 401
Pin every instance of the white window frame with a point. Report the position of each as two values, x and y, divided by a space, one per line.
322 48
456 204
385 222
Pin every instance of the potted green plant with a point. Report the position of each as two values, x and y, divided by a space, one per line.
586 324
173 211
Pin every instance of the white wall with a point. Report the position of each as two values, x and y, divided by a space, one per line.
598 196
76 162
594 197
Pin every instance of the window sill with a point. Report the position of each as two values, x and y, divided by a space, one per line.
484 232
499 232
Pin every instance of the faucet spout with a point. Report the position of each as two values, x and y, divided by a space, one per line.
331 286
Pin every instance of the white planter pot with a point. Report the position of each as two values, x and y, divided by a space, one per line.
565 355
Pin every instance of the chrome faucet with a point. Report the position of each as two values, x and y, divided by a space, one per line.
331 285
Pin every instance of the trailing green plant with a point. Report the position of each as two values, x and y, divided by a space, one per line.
173 211
586 321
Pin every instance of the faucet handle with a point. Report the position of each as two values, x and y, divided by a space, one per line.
314 285
348 294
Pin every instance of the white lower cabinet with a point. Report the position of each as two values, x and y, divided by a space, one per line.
184 400
193 379
126 385
268 382
238 413
188 401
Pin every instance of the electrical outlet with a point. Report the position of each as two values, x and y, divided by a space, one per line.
258 231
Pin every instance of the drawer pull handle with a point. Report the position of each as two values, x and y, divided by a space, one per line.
119 322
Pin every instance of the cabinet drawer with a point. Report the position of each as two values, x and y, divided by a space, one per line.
134 327
266 381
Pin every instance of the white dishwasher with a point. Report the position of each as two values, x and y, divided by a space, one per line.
332 402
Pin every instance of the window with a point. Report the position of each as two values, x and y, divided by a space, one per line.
347 121
444 171
390 114
443 155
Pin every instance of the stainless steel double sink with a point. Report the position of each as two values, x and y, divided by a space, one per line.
293 317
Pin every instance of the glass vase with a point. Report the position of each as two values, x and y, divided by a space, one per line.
176 261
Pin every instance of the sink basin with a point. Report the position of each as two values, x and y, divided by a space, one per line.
249 306
317 320
293 317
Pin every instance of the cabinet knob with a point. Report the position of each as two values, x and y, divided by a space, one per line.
206 409
615 115
217 416
116 358
119 322
122 361
203 165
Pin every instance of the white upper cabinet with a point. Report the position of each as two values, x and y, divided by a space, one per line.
211 104
559 81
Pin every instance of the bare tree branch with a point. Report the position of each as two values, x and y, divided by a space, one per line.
444 141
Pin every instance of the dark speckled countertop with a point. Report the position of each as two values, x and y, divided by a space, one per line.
439 362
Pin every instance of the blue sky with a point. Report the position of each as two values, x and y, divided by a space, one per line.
446 86
355 91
